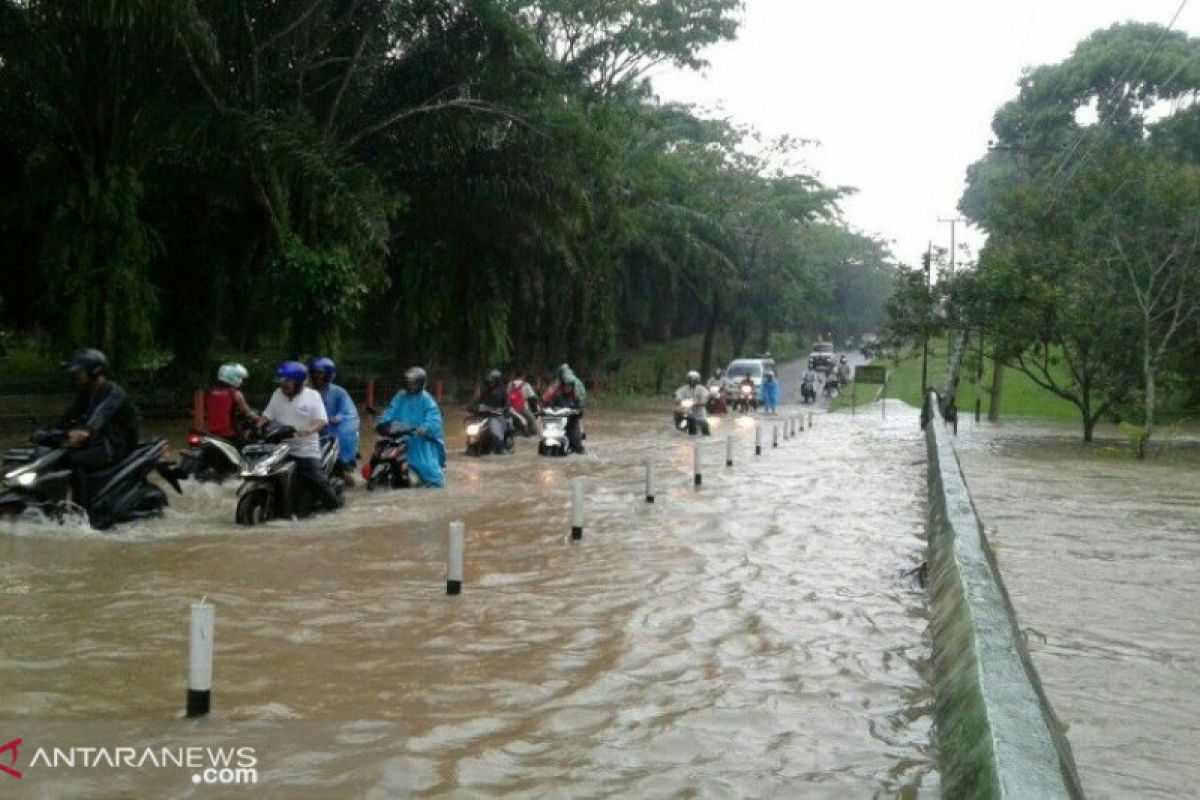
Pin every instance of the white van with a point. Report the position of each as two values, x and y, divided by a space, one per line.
756 368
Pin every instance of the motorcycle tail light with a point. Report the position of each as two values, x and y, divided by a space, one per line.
194 439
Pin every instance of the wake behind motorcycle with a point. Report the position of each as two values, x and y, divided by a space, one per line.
489 430
270 487
37 478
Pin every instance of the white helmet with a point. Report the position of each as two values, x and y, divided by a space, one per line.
693 377
233 374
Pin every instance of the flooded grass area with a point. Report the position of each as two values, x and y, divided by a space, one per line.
1101 555
758 637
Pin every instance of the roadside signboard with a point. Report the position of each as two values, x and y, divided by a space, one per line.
869 374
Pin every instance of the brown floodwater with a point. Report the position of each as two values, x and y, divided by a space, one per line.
755 638
1101 555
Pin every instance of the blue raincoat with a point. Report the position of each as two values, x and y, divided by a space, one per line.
770 395
426 454
339 404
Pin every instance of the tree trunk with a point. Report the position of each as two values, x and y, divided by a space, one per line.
710 333
738 333
997 391
1148 371
1089 427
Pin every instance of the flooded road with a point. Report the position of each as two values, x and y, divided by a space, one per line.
754 638
1100 554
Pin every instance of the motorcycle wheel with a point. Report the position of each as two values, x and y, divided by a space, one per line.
473 450
255 508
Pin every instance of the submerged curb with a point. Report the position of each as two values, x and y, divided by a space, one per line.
997 734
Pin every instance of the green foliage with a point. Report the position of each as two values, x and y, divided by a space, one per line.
308 285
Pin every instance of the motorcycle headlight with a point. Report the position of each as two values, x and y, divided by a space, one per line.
473 429
26 478
686 404
746 390
264 467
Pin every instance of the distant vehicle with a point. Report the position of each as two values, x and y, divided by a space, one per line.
822 357
756 368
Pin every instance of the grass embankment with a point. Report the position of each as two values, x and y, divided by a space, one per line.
1022 398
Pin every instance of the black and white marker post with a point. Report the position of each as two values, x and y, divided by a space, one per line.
758 440
775 435
200 659
810 420
697 477
649 481
454 558
729 450
577 509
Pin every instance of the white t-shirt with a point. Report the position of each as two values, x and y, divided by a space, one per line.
302 411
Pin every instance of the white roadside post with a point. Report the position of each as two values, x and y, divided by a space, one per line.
200 659
729 450
649 481
757 439
697 477
454 558
577 509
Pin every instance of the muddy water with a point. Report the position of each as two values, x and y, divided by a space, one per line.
1100 554
755 638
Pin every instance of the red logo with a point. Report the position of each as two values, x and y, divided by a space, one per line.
13 745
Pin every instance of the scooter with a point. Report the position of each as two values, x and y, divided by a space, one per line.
210 458
744 401
554 431
685 417
808 392
388 467
487 428
270 488
831 385
35 479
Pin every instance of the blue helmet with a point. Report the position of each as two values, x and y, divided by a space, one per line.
323 364
291 371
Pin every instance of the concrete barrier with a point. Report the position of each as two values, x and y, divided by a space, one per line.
997 734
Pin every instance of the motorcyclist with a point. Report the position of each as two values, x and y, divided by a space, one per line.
523 400
843 371
808 384
342 413
568 391
225 406
415 407
770 392
750 398
493 398
103 424
698 393
302 408
716 395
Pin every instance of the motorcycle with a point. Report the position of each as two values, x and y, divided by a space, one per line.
210 458
808 392
34 479
744 401
388 467
716 398
270 488
685 417
832 385
554 431
487 428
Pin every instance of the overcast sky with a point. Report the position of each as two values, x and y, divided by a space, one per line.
900 93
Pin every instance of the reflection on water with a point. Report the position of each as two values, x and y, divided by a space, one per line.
752 639
1100 554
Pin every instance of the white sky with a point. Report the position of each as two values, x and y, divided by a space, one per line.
900 93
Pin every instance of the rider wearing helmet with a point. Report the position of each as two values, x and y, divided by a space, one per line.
103 425
493 398
770 392
224 404
697 393
523 400
297 405
415 407
342 413
568 391
843 371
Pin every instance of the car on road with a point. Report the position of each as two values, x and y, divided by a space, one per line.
756 368
822 357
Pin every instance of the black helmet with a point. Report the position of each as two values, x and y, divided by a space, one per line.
87 359
493 378
414 380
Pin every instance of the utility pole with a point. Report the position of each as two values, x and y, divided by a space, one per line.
928 261
953 222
